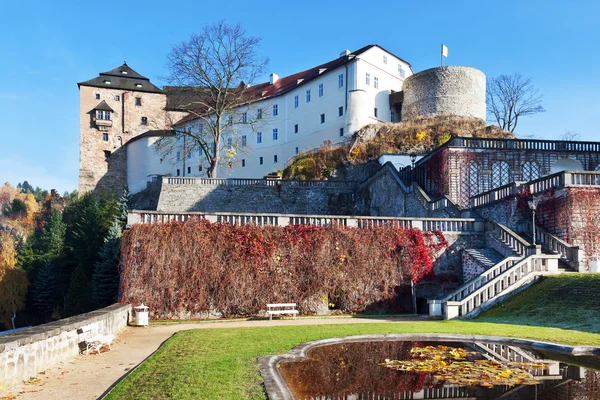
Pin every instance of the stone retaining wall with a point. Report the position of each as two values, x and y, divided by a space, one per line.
27 352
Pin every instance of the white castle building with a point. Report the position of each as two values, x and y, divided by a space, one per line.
292 114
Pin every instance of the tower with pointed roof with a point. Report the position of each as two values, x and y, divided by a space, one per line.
114 107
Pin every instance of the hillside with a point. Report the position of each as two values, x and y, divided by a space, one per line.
568 301
416 136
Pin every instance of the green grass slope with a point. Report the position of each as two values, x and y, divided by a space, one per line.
568 301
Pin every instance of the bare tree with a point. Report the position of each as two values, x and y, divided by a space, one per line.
212 73
570 136
510 97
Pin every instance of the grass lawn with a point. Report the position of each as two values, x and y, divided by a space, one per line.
568 301
220 363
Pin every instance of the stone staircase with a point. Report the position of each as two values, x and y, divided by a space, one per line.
485 257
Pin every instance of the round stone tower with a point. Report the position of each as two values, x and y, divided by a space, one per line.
445 91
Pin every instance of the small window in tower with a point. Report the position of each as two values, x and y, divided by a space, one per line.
375 112
178 172
260 160
106 155
138 101
105 136
189 170
341 131
322 118
200 168
97 96
296 128
243 163
144 120
117 98
340 111
297 150
275 158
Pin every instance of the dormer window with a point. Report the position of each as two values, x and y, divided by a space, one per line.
138 85
107 82
103 115
124 72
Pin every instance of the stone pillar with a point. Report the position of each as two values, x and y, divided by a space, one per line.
452 309
435 308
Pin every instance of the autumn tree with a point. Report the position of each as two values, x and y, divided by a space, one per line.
510 97
212 73
13 282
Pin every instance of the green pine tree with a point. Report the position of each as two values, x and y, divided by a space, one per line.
105 280
79 297
43 289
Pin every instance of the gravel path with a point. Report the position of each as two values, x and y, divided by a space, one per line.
91 377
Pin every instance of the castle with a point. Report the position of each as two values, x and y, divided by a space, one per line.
123 115
511 209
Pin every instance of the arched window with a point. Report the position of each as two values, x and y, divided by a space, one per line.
500 174
530 171
471 179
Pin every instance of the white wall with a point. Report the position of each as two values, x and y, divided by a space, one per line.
143 161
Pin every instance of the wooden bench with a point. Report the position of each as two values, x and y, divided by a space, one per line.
281 308
96 342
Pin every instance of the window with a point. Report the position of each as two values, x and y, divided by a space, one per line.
117 98
376 82
500 174
105 136
178 155
260 160
341 80
199 168
275 159
275 110
375 113
275 134
229 142
308 96
144 120
296 101
401 71
392 116
385 59
322 118
341 131
320 90
189 170
97 96
340 111
178 172
200 152
245 118
243 163
230 120
258 137
244 140
105 115
296 128
259 113
531 171
106 155
297 150
189 155
138 101
368 78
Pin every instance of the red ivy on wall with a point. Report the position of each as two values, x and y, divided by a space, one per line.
197 266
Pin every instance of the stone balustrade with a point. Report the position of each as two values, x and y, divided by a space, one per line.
461 225
171 180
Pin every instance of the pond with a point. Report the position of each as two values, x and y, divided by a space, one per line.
425 369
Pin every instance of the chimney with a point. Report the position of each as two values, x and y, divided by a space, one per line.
345 53
273 78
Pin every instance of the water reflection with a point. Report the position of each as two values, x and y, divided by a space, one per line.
352 371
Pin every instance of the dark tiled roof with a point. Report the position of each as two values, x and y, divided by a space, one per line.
123 78
154 133
266 90
103 106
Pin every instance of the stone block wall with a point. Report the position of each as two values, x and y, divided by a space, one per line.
27 352
471 267
323 200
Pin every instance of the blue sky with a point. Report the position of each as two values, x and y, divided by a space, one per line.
47 47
